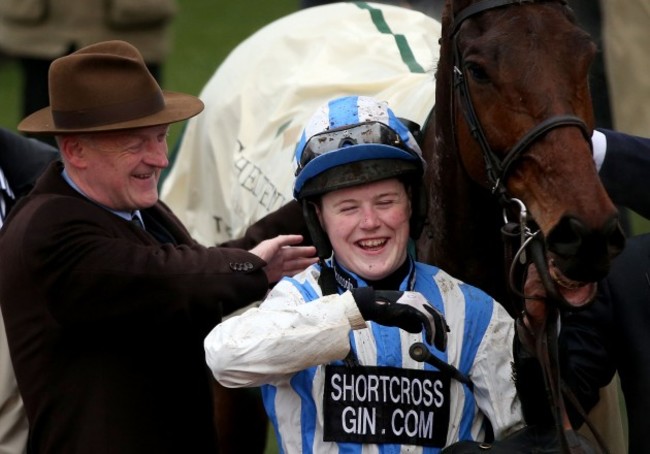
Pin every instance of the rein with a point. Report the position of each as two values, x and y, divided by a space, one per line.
521 247
518 236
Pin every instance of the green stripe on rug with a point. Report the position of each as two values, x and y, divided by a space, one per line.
405 51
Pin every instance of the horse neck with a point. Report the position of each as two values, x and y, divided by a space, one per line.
463 235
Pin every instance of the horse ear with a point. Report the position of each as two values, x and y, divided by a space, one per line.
414 128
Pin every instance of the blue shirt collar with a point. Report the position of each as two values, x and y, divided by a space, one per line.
126 215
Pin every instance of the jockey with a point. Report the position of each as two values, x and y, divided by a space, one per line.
330 346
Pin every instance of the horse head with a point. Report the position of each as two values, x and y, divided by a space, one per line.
513 120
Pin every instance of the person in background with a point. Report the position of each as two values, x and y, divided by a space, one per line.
622 313
623 164
22 160
625 32
106 298
39 31
328 345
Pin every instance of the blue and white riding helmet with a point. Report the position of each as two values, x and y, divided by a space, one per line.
353 140
350 141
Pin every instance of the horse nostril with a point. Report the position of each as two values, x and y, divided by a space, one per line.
584 254
567 237
615 236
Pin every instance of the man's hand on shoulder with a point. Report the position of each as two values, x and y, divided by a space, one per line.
283 257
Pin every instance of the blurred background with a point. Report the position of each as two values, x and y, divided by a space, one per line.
203 33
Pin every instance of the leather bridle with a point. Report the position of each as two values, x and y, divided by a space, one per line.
496 167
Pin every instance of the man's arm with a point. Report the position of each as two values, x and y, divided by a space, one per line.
625 170
23 160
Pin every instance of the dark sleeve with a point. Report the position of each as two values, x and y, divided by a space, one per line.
585 347
586 364
627 290
284 221
83 255
626 170
23 160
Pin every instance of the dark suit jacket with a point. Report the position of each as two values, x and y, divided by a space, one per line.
622 309
626 170
621 316
23 160
106 325
626 292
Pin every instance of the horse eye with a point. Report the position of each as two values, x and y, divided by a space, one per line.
477 72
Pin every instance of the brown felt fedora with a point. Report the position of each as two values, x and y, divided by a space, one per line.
105 87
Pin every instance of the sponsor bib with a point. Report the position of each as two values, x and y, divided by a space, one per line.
385 405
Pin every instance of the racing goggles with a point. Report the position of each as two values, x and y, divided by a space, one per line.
373 132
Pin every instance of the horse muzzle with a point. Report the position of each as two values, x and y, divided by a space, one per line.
578 257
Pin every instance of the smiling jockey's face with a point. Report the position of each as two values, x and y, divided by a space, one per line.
368 226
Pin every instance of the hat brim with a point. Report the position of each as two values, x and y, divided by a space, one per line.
178 107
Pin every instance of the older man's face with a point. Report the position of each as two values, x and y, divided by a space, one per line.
122 168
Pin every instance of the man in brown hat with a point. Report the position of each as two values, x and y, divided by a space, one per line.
106 298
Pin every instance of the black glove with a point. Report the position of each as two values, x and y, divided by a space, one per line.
409 311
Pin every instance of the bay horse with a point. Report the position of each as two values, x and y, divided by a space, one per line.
513 119
520 66
510 136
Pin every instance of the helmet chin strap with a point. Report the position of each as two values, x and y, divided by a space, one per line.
318 235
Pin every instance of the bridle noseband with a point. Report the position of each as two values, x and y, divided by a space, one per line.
497 168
